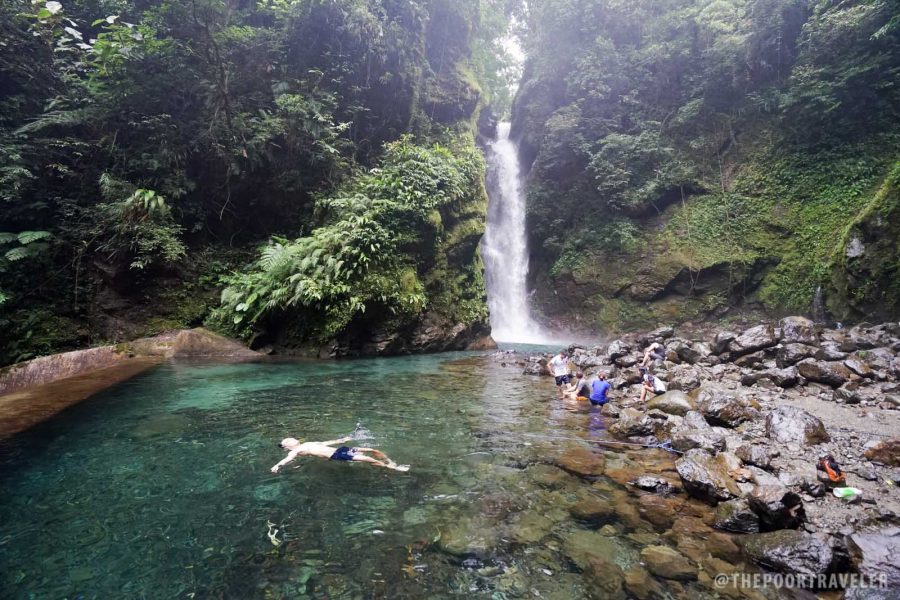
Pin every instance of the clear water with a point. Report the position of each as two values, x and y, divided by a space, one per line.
160 486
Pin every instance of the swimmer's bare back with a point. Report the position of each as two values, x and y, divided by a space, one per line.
324 450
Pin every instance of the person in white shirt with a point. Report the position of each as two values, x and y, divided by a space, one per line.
559 367
651 383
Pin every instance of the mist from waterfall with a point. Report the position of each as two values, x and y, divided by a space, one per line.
505 247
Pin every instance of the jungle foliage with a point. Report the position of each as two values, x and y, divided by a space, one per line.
728 132
135 134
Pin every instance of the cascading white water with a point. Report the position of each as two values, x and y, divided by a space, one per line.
505 248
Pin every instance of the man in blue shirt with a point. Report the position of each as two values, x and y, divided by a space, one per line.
599 388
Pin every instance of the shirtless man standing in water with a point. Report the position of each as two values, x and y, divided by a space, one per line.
324 450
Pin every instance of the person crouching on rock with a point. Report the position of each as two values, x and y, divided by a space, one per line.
599 389
559 366
654 351
324 450
649 383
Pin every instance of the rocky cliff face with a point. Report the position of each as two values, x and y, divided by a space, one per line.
665 186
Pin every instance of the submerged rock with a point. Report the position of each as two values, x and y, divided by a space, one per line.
668 563
581 461
789 551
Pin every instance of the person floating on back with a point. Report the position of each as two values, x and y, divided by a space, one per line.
559 366
654 351
650 383
324 450
599 389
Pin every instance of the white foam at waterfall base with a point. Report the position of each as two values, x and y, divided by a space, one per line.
504 248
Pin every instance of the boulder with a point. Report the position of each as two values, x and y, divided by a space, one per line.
789 424
631 423
829 373
668 563
657 485
684 378
617 349
642 585
695 432
673 402
789 551
704 478
860 367
874 555
753 339
791 354
581 546
830 351
723 341
777 507
736 516
754 454
723 406
798 330
886 452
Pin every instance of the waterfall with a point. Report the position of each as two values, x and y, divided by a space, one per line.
505 248
818 306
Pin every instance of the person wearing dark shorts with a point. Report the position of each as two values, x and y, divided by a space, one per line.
559 367
344 453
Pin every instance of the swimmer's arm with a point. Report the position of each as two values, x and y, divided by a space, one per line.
291 456
338 441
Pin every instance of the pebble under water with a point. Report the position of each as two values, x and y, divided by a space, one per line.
160 487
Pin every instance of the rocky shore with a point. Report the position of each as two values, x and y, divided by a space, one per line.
749 414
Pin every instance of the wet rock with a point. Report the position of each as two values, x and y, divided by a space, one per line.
581 546
611 409
593 510
874 555
658 510
549 476
789 424
886 452
667 563
605 579
468 537
704 478
753 339
777 507
830 351
829 373
659 334
642 585
581 461
754 454
723 406
736 516
789 551
673 402
631 423
530 528
537 367
797 330
783 378
657 485
791 354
